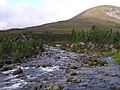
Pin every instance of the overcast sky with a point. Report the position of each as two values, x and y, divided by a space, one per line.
24 13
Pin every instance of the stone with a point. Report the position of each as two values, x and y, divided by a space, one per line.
67 70
57 57
57 45
73 74
62 67
22 76
69 79
73 80
42 49
74 67
102 63
82 43
115 88
17 71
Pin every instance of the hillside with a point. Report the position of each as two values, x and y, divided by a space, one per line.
104 16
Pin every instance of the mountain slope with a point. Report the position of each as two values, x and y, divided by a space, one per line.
105 14
102 16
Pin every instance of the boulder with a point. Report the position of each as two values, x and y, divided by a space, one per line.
42 49
73 73
17 71
73 80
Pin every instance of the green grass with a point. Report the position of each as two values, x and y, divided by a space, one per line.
107 53
116 57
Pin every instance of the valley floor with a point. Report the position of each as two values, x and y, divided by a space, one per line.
58 69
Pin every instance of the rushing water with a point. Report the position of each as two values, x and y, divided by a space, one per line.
55 58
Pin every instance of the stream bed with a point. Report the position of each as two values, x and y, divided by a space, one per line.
63 68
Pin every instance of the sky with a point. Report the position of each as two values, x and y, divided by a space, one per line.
25 13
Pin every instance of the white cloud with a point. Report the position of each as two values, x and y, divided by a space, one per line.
3 25
3 2
25 14
20 15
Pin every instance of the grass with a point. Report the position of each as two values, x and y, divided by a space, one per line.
116 57
107 53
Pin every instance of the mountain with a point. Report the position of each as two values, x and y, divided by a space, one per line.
105 16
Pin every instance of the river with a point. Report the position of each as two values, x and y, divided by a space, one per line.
57 66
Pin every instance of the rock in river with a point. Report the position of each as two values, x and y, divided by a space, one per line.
17 71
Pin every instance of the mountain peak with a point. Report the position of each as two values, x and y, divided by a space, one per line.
113 12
